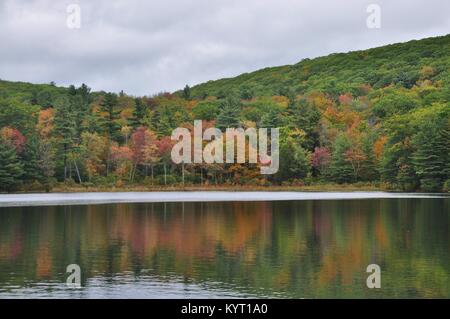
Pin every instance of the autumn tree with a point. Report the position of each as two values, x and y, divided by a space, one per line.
321 159
122 159
45 122
46 164
14 113
13 137
144 149
164 146
93 152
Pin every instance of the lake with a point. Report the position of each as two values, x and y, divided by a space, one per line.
225 245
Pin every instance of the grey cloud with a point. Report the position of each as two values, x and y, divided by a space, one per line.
144 47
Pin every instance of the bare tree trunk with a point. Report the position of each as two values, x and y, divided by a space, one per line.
182 172
133 171
108 156
165 175
77 170
65 163
151 167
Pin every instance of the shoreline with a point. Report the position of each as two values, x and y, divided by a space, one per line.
97 198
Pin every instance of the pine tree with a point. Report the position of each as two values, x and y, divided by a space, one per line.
406 177
246 93
30 160
270 119
81 101
305 116
341 169
109 124
302 162
187 92
368 168
165 121
388 164
65 129
431 156
138 113
286 162
11 169
295 161
229 113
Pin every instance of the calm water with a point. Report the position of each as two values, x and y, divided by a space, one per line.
295 249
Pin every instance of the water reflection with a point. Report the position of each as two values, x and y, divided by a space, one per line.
228 249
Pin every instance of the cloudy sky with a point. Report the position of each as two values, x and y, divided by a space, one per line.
144 47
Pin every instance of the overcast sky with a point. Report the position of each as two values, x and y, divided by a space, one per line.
144 47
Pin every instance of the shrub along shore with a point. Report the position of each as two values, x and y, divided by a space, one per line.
315 187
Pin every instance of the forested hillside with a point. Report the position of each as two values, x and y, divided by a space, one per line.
379 116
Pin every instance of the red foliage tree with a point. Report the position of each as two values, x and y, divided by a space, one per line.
13 137
321 158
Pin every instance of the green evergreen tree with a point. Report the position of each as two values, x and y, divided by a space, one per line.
66 130
388 165
11 169
30 160
246 93
369 170
286 162
139 113
406 177
230 109
82 101
109 124
270 119
187 92
341 169
44 99
295 161
431 157
305 116
165 120
302 162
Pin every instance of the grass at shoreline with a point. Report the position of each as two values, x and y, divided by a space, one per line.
64 188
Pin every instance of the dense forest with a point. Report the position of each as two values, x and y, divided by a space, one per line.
379 116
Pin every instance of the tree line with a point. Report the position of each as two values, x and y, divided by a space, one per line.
392 132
